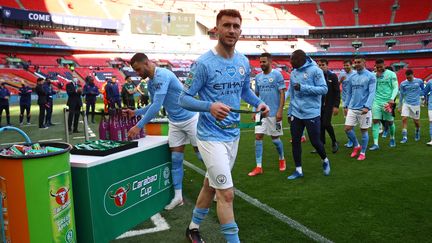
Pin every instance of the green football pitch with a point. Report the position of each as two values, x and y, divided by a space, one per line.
386 198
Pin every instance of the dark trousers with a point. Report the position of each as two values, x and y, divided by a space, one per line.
49 111
326 117
143 100
6 108
129 103
92 106
74 113
313 127
42 111
26 108
113 104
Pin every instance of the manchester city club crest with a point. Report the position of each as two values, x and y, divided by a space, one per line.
242 71
305 76
270 80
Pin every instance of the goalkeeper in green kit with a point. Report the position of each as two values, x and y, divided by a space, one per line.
386 91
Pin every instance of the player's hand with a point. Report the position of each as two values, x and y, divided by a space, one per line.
289 119
133 132
253 117
279 115
391 102
264 109
296 86
129 113
335 111
342 79
219 110
365 110
345 111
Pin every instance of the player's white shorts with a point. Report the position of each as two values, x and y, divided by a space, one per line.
412 111
270 127
355 117
430 115
219 158
181 133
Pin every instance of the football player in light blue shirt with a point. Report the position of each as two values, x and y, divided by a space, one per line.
358 104
410 91
270 87
164 89
428 99
346 73
220 77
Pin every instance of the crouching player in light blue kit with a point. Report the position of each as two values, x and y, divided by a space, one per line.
428 99
164 89
270 87
409 103
361 88
220 77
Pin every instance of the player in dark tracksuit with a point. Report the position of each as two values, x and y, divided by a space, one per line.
25 102
330 104
4 103
42 101
113 94
50 103
91 91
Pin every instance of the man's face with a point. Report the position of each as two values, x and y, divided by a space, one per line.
359 64
410 77
296 61
265 63
129 80
380 68
347 67
323 66
141 69
228 30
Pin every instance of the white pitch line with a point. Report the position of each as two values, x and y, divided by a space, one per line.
282 217
160 225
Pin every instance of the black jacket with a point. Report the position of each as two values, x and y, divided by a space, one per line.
332 98
74 96
42 95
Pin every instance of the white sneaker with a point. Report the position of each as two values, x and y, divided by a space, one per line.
174 203
430 143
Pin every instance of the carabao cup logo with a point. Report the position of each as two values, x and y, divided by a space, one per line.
61 196
120 196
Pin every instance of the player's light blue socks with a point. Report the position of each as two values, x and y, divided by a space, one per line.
230 231
279 147
198 215
404 133
198 154
258 152
351 136
365 141
430 130
177 169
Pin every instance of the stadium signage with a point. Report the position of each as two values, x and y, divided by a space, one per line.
41 17
135 189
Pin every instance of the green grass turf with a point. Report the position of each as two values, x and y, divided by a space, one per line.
386 198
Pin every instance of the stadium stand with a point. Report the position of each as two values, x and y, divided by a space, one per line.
338 13
10 3
410 11
305 11
375 12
